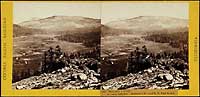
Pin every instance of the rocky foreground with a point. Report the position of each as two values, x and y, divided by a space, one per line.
165 74
160 76
69 77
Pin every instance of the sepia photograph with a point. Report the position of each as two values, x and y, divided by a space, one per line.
100 46
144 46
56 46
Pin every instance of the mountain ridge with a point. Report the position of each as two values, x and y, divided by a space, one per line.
145 25
62 23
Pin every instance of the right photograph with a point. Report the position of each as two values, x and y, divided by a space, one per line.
144 46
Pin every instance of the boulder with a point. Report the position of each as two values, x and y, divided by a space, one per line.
82 76
160 76
106 87
74 76
20 87
168 77
149 70
63 70
94 79
53 72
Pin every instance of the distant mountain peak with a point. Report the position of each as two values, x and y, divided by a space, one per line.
155 17
145 24
62 23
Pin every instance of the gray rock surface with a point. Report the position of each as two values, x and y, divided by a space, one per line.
71 77
66 78
156 77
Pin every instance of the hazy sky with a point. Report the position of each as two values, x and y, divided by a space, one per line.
115 11
24 11
107 11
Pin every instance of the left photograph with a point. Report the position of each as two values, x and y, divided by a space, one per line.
56 45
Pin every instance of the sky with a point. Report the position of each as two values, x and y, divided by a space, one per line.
106 11
119 11
24 11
